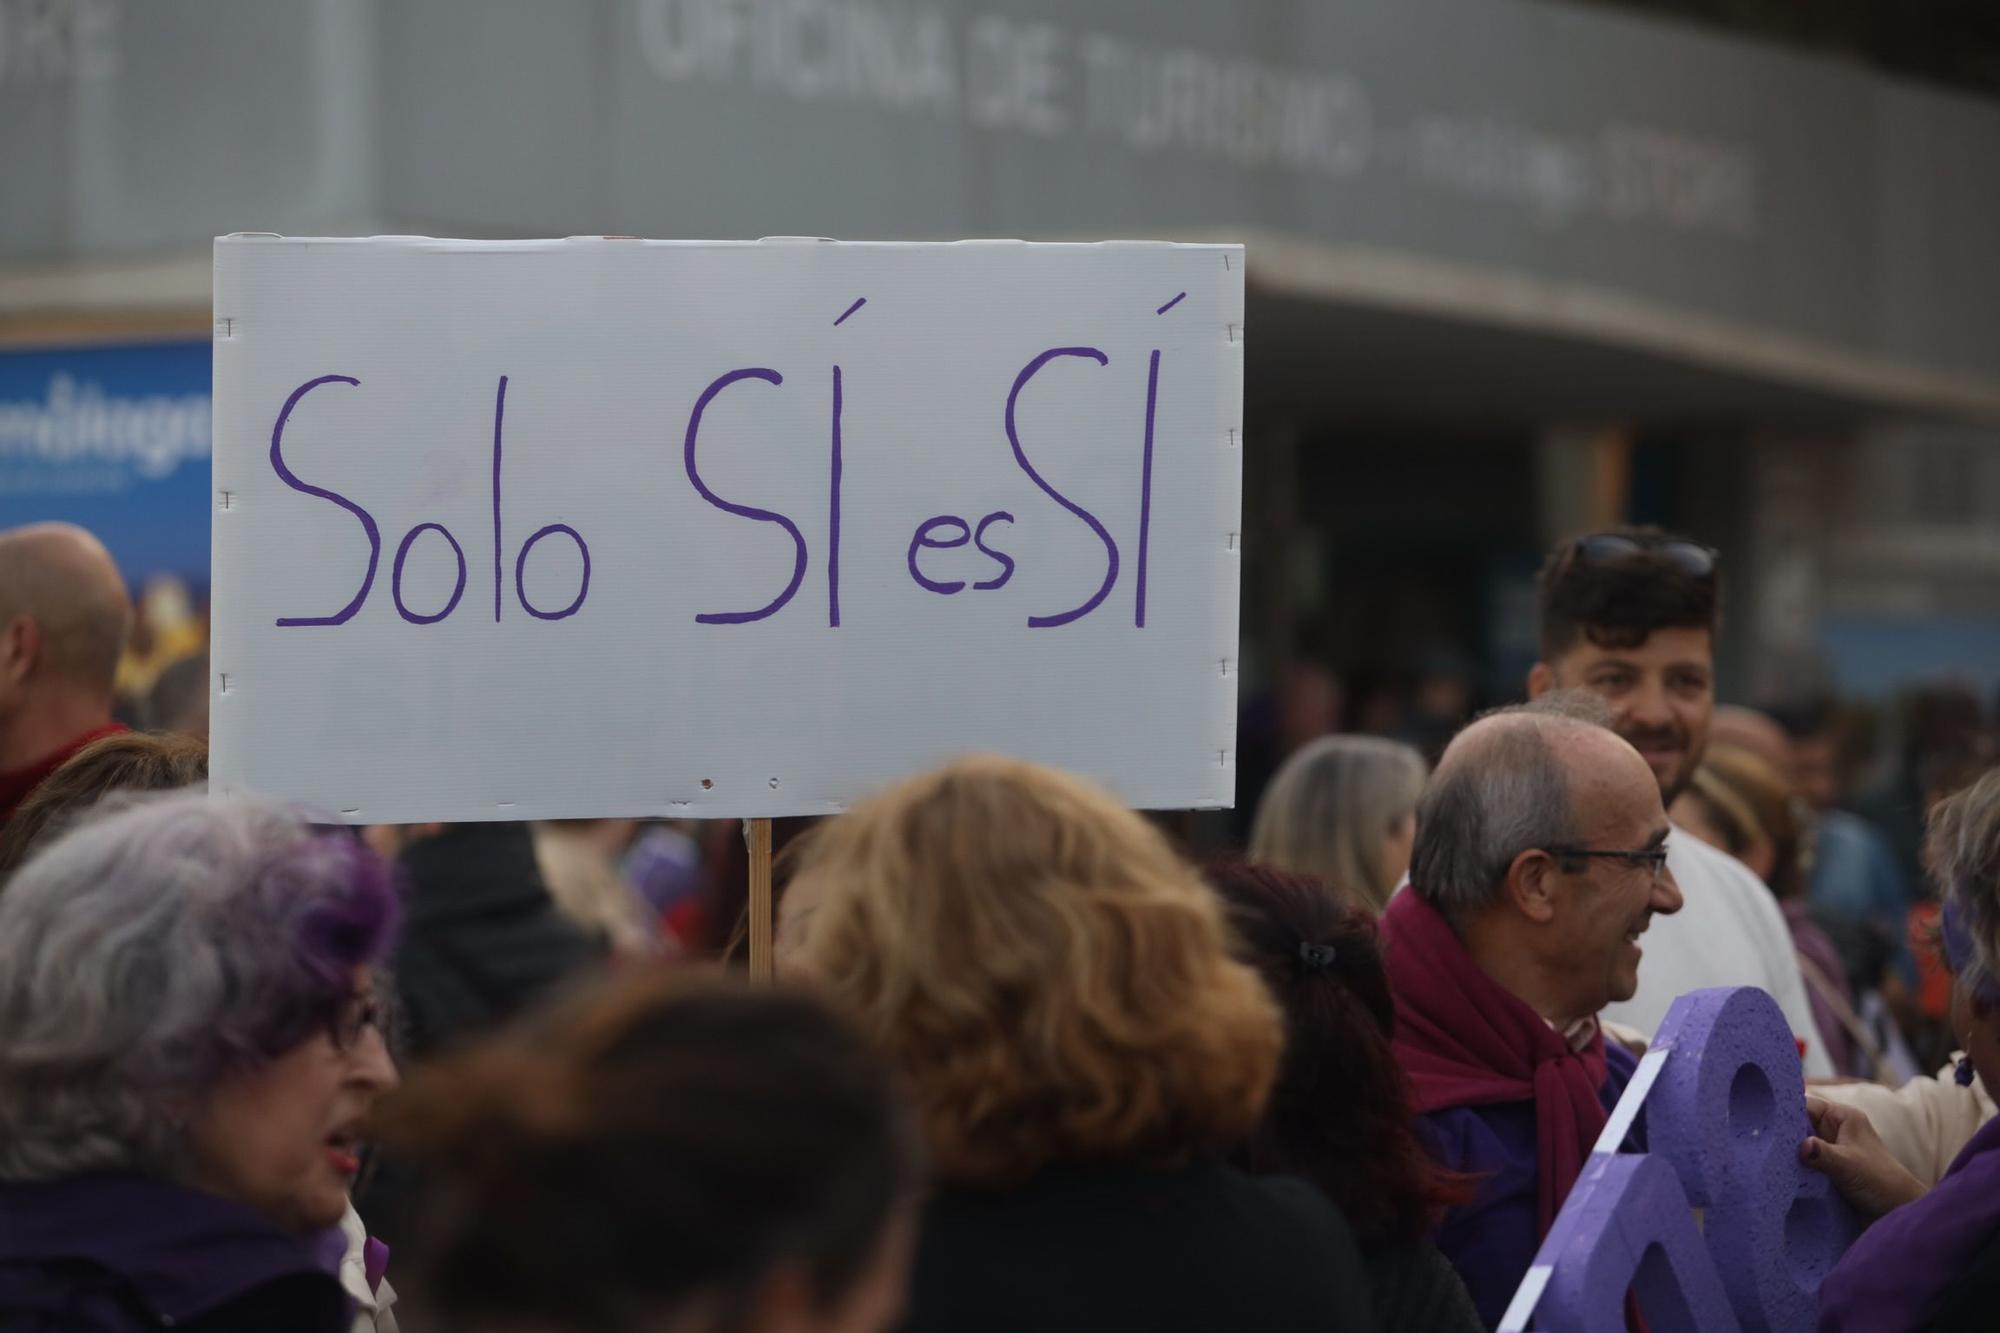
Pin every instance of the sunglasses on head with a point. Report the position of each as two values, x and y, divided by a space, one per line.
1611 548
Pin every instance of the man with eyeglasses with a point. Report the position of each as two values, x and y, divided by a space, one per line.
1630 615
1539 864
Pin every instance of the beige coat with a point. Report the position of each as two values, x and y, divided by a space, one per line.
1923 1123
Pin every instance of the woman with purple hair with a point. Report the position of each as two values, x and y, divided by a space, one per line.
189 1048
1931 1260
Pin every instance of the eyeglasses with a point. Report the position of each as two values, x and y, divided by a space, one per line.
1653 858
360 1013
1610 548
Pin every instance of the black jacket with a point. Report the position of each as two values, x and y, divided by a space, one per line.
481 937
1414 1287
481 941
1202 1249
1971 1303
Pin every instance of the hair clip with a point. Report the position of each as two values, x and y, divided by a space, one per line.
1316 957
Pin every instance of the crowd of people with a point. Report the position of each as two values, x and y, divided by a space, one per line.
1029 1065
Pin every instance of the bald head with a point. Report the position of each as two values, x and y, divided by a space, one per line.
1526 724
1514 780
1533 736
64 614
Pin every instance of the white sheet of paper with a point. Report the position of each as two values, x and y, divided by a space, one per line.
417 441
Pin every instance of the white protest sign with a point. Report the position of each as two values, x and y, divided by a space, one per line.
607 527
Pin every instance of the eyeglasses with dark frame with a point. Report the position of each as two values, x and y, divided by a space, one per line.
359 1014
1608 548
1653 858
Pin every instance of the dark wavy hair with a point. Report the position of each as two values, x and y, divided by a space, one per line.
1340 1116
652 1141
1618 603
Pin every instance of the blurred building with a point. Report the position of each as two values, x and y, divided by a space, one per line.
1516 268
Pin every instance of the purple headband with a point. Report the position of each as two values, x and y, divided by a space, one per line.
1961 954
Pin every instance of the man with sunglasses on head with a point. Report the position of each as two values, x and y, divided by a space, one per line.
1630 615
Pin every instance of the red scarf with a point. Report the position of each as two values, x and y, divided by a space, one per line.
1463 1040
16 783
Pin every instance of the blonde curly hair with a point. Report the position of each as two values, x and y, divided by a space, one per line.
1053 981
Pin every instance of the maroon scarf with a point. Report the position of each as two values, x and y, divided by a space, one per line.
1465 1041
16 783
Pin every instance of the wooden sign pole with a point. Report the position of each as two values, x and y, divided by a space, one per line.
757 834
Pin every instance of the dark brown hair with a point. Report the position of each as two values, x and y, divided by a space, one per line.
1340 1116
130 761
657 1139
1618 602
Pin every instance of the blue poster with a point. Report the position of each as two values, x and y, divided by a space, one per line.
1879 656
115 439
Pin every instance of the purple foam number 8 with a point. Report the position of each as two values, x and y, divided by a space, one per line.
1729 1120
1626 1226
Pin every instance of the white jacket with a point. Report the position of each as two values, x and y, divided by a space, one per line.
1729 932
371 1313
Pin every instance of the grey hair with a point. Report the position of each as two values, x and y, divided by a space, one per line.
151 950
1500 790
1578 705
1962 852
1330 807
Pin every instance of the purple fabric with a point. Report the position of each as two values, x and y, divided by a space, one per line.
329 1248
1492 1240
118 1252
374 1263
1895 1276
1958 947
1811 943
1960 953
665 866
